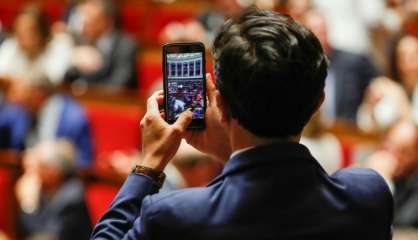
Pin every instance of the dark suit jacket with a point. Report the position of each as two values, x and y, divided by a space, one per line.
119 65
14 119
65 216
73 125
353 73
276 191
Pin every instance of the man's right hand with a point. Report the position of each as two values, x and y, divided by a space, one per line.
214 139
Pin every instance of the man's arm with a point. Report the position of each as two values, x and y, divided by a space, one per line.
122 220
127 216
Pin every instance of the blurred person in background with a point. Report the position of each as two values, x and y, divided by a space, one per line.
49 114
32 47
385 103
397 162
404 68
121 164
50 195
205 27
104 56
390 100
197 168
189 168
349 22
400 18
348 76
323 146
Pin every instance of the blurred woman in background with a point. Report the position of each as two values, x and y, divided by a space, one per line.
388 101
32 47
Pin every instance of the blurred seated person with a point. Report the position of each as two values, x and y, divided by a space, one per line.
11 121
197 168
48 115
348 76
33 47
325 147
385 103
404 68
391 100
205 27
104 55
397 162
190 167
121 164
50 196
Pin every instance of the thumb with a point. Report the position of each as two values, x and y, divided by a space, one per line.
183 121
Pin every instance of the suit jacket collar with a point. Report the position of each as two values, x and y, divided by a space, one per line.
279 153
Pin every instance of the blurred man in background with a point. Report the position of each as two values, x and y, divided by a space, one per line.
105 56
50 195
397 161
205 26
49 114
348 76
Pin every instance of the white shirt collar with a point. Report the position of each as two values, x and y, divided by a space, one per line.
236 152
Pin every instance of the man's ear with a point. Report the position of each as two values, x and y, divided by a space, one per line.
223 108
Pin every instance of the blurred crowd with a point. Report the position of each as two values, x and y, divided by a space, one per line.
372 85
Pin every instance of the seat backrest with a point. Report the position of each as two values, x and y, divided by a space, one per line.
114 128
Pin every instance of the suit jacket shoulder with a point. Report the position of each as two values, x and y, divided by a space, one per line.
369 191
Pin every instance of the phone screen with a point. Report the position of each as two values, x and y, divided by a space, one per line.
185 85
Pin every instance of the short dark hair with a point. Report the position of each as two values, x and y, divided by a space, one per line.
270 71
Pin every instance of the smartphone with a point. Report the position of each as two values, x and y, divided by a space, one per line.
184 82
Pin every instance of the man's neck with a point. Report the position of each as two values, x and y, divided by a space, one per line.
243 139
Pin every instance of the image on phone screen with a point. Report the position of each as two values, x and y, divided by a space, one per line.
185 84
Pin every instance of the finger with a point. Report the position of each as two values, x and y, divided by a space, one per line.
162 113
210 89
152 103
183 121
160 101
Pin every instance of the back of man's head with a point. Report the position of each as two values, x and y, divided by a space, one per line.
270 71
